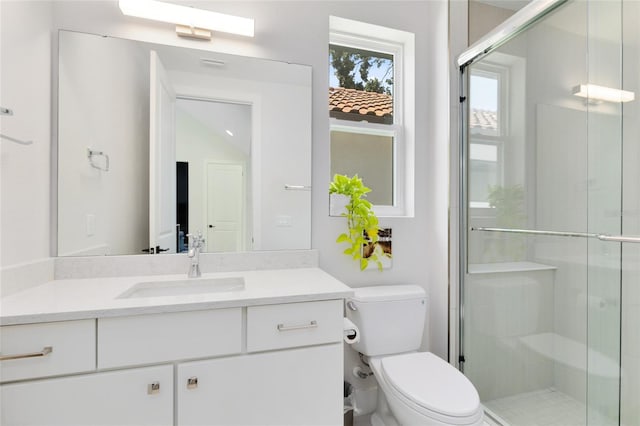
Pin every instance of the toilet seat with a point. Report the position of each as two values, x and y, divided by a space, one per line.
432 387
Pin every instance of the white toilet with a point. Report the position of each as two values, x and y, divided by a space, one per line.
414 388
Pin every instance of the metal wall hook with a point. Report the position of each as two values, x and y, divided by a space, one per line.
8 111
91 153
18 141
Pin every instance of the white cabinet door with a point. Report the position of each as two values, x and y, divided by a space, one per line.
292 387
112 398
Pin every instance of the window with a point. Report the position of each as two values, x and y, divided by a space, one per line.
371 109
487 132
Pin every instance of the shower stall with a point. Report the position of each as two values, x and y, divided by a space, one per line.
549 327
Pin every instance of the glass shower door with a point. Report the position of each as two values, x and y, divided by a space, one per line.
604 182
545 184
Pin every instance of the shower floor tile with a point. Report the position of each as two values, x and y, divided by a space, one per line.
546 407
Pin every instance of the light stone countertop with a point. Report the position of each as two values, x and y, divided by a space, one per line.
71 299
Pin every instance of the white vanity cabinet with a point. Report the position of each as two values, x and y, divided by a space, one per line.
139 396
67 349
300 385
257 365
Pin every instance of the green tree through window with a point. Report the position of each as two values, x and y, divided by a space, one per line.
361 69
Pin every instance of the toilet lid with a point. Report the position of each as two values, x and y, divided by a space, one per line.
431 383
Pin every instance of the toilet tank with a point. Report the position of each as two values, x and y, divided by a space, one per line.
390 318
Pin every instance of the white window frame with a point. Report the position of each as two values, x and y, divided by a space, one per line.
401 45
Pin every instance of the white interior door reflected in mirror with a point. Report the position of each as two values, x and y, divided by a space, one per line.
225 207
162 154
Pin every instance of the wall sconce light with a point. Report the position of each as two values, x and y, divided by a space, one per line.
600 93
190 22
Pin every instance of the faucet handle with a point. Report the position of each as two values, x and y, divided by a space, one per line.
195 240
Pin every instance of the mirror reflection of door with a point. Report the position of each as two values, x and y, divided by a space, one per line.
214 138
162 169
225 200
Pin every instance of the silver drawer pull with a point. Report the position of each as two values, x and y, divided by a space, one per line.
312 324
45 351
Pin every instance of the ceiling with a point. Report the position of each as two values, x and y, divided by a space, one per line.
219 117
506 4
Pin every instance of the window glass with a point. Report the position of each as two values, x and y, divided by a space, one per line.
361 85
484 103
369 156
485 131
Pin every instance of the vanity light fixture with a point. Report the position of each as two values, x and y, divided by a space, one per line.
191 22
593 92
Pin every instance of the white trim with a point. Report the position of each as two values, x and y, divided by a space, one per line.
401 44
364 128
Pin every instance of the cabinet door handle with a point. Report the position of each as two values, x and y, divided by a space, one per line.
153 388
45 351
312 324
192 382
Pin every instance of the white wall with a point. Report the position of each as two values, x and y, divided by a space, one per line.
483 18
104 105
25 87
289 31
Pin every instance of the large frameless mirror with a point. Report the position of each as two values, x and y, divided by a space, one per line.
156 142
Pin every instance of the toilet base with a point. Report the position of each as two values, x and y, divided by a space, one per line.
383 416
376 420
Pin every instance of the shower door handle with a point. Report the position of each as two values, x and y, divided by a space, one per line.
619 238
601 237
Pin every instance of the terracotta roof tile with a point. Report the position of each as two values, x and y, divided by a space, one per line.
483 119
360 105
378 107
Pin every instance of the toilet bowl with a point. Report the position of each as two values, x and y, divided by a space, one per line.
414 388
422 389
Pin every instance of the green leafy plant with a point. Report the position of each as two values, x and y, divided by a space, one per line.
508 205
508 202
362 222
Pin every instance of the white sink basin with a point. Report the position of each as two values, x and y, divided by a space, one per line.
184 287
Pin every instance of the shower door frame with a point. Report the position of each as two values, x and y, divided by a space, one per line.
509 29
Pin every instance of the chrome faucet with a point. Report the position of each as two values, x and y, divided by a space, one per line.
196 242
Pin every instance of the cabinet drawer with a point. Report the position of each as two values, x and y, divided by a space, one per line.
72 344
147 339
293 324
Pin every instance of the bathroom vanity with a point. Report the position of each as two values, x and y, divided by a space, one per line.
265 349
